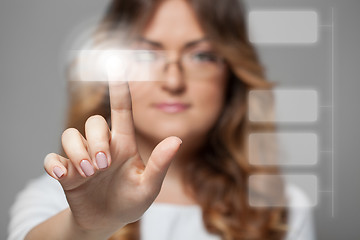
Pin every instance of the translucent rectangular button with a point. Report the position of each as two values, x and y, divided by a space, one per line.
283 148
114 65
283 27
283 105
300 190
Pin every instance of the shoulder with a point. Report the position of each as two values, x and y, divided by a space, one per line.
42 198
300 215
296 196
41 189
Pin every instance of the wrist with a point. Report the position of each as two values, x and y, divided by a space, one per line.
87 233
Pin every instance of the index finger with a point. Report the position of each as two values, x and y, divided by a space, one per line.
121 109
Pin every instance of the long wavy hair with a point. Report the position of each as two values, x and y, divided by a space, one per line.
219 181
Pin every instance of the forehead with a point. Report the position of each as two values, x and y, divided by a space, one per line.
174 22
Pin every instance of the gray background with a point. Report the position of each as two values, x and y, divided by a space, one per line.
35 35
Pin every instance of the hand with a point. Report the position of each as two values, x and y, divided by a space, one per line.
106 183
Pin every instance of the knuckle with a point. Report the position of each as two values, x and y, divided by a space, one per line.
99 147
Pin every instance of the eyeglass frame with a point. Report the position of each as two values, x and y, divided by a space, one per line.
218 61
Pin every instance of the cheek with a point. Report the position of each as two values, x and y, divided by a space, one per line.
208 99
140 94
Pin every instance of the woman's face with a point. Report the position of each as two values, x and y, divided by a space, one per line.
189 97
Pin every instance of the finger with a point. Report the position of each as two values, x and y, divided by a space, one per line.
55 166
98 139
121 109
160 160
63 170
74 146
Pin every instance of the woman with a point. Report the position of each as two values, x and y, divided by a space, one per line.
113 175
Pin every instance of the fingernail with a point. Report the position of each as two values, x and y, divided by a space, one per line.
101 160
87 168
58 172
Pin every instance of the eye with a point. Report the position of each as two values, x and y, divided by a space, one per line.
205 56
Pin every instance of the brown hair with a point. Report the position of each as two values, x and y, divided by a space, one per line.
219 180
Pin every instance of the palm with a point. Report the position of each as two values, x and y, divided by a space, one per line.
123 191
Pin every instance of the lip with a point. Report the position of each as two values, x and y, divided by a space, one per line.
174 107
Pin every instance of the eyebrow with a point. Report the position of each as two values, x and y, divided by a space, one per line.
160 45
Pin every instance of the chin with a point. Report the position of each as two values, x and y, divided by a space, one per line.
192 135
167 130
188 127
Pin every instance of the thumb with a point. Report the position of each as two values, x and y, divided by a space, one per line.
160 160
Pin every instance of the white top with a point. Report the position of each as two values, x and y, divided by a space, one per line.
44 197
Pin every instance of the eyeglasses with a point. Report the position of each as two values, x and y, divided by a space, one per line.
195 65
146 65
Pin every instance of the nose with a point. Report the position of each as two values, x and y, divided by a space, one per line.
173 78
